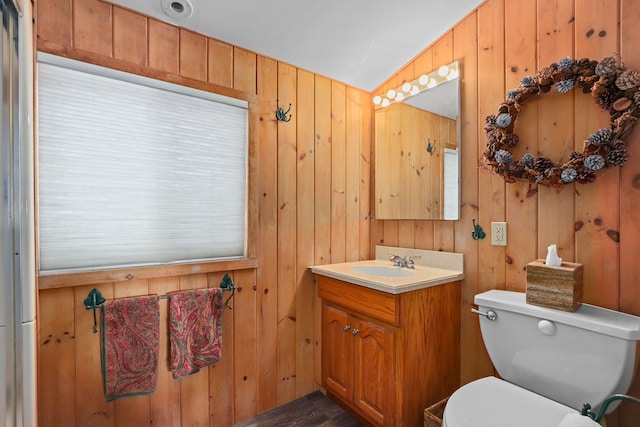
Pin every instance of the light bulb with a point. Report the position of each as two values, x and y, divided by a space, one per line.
391 94
399 96
406 87
385 102
423 80
415 90
443 71
452 74
377 100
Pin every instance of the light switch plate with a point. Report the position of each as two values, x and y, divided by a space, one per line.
499 233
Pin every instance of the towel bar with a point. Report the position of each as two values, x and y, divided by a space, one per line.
95 298
586 408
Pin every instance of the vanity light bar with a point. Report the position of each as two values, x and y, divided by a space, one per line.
422 83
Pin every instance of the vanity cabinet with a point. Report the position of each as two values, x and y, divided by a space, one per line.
386 357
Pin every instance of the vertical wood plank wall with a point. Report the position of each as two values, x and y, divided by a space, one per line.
312 186
498 44
314 200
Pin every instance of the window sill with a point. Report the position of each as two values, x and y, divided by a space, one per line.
67 279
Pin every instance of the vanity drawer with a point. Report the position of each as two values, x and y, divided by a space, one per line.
376 304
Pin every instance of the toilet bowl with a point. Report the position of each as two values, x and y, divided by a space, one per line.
492 402
549 362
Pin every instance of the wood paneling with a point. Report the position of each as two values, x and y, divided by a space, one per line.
498 44
130 36
268 236
220 67
193 55
271 338
92 26
163 46
630 198
308 207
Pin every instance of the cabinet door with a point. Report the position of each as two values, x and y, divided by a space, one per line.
337 352
374 371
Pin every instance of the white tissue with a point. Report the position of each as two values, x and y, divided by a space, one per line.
552 257
577 420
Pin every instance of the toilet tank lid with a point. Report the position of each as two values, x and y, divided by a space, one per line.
590 317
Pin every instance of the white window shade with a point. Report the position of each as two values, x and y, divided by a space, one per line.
132 172
451 184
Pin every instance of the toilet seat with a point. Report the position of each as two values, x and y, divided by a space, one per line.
492 402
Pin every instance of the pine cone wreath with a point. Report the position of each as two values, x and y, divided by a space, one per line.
617 144
624 123
503 120
613 88
516 169
594 162
510 140
528 160
608 65
628 80
566 63
617 157
569 175
564 86
636 98
542 163
585 176
599 137
575 156
604 99
504 157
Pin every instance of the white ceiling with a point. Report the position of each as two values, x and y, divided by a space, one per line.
358 42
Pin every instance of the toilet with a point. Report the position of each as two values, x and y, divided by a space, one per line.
550 363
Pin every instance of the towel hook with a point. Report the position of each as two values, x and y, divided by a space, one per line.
478 232
281 114
93 300
431 148
227 285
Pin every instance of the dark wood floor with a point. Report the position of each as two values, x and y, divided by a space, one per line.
311 410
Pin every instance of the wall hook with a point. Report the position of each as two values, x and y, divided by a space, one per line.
281 114
227 285
431 148
93 300
478 232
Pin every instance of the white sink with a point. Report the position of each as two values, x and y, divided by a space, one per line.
381 271
431 268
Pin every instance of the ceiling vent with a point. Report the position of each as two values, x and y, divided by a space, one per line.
177 9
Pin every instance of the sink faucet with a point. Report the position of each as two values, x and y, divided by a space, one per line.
399 261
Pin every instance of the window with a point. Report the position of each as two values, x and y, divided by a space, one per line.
135 171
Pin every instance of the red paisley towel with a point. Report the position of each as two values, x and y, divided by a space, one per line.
130 332
196 330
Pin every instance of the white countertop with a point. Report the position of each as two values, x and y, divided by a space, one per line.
431 269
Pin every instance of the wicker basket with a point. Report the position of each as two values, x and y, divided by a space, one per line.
433 414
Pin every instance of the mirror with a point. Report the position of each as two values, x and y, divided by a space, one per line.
417 148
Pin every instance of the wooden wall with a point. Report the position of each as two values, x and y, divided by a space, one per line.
309 205
313 200
596 224
410 179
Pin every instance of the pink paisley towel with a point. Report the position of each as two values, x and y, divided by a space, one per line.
196 330
130 332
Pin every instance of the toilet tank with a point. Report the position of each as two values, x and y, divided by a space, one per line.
572 358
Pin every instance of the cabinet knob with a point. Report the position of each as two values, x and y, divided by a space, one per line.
346 327
355 331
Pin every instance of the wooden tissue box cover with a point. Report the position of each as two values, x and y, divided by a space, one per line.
554 287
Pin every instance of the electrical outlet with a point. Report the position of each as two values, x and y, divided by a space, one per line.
499 233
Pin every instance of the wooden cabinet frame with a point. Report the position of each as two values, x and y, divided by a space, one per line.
386 357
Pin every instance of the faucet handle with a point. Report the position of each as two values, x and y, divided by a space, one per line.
396 260
410 261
